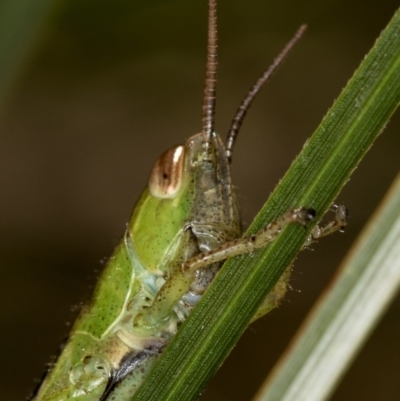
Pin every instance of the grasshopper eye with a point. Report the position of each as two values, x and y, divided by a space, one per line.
166 177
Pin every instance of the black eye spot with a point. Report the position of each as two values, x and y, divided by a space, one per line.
165 176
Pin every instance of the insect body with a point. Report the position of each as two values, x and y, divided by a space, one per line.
143 295
185 223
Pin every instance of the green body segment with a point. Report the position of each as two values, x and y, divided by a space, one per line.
106 305
142 295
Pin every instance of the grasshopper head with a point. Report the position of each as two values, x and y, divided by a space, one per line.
186 163
187 185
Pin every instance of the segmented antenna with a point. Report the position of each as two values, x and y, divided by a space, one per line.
211 76
246 103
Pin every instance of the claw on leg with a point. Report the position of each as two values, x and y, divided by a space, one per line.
338 224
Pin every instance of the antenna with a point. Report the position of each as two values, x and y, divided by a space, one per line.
246 103
211 76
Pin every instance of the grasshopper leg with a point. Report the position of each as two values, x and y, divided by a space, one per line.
249 244
266 235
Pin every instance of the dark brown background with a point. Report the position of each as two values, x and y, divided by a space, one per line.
114 83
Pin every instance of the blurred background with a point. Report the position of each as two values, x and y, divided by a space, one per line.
96 90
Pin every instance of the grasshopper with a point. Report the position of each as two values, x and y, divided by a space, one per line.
184 225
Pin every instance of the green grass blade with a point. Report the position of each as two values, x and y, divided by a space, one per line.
343 319
21 21
314 180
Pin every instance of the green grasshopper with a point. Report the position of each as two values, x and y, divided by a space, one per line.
184 225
